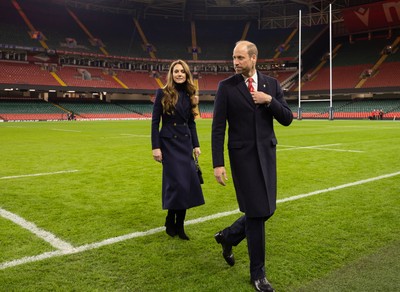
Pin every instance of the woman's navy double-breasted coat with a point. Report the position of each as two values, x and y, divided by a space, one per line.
177 138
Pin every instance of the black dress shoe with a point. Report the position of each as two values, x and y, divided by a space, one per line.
226 248
263 285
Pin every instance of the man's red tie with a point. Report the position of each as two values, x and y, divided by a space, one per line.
250 84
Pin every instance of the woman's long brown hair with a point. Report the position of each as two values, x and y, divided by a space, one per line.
170 97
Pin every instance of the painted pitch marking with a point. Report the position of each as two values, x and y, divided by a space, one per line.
39 174
64 130
43 234
109 241
317 147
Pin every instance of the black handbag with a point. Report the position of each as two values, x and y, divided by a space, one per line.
198 170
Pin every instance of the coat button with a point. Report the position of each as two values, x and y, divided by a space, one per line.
174 124
175 136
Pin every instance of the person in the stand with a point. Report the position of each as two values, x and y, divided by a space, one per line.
175 144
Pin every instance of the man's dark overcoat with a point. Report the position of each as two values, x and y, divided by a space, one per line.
251 140
177 138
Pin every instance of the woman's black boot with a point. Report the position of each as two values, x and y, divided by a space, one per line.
180 230
170 223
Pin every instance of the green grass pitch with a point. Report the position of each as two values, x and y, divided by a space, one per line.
91 192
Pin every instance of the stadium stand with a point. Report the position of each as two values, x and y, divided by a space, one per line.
159 35
137 80
115 32
386 76
29 109
74 49
13 29
349 64
87 77
18 73
96 110
143 109
63 33
345 77
209 81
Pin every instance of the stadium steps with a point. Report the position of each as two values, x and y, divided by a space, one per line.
246 30
83 27
13 28
145 43
194 41
313 74
378 63
286 43
29 24
387 76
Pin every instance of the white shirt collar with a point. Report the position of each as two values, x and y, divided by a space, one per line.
255 78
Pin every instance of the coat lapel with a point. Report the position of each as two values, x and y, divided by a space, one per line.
262 83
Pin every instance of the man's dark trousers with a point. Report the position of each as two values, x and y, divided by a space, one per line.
252 228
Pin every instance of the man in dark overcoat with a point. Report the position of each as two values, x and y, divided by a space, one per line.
249 101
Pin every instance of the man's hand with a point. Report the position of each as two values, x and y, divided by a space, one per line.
196 152
260 97
220 175
157 155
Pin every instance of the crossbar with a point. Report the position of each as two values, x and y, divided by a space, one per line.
309 100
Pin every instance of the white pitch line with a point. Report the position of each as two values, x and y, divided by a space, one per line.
128 136
43 234
38 174
64 130
113 240
317 147
360 182
326 149
135 135
322 145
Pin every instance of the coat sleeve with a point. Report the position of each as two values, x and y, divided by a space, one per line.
219 126
193 131
279 107
156 119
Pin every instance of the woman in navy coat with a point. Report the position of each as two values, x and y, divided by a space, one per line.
175 144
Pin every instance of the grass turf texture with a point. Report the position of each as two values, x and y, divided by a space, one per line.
343 239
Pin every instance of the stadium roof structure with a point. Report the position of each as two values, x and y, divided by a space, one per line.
268 13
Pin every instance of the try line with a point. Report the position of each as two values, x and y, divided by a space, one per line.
65 248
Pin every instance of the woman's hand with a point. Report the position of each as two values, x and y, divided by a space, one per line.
196 151
157 155
195 99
